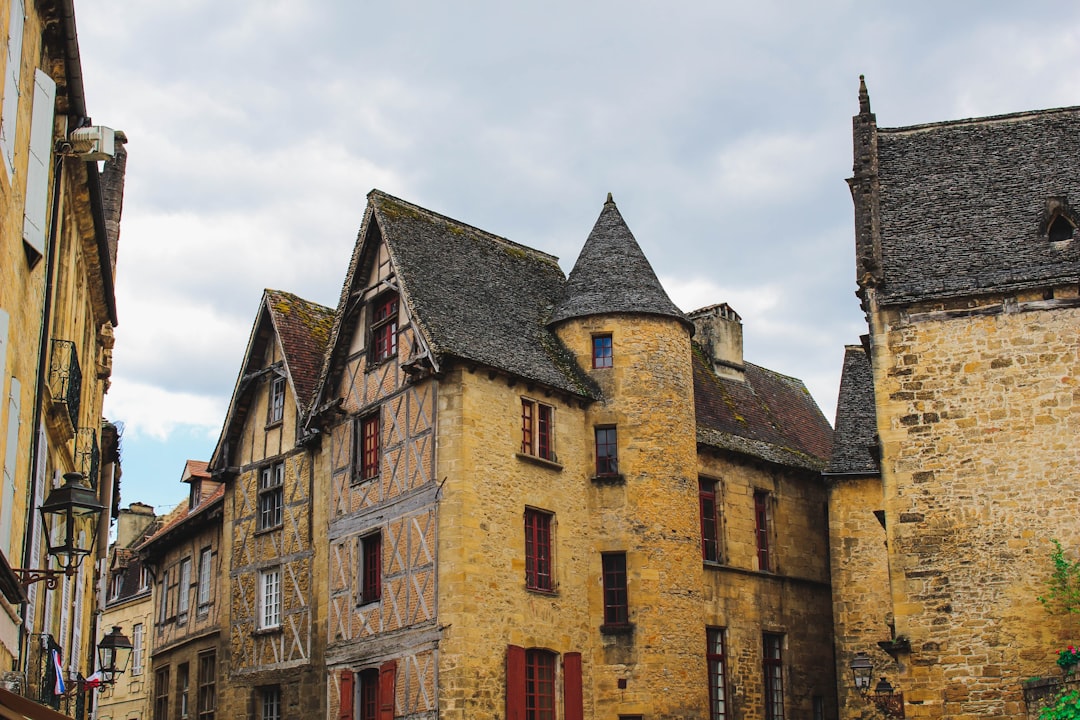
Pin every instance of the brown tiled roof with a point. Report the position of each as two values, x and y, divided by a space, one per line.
303 327
177 519
769 416
196 469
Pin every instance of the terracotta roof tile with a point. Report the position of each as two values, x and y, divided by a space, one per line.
304 330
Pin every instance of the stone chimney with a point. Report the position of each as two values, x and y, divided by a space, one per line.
133 520
718 329
112 195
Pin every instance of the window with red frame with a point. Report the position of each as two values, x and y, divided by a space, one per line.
384 326
369 694
714 655
539 685
710 525
370 568
601 351
773 667
761 529
607 451
538 550
537 429
616 606
368 447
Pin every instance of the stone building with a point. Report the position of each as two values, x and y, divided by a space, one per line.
129 605
184 558
544 500
274 510
59 228
958 416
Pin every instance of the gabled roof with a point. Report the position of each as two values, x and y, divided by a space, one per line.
612 275
963 204
855 440
302 330
768 416
182 521
472 295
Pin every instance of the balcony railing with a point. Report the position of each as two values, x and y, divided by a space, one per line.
65 378
87 455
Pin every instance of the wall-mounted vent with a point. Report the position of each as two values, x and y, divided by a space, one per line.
95 142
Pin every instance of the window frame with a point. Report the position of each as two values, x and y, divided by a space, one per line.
203 596
183 686
607 440
270 702
276 404
383 328
207 691
367 447
603 351
138 640
367 690
615 591
269 606
183 590
539 555
540 681
709 514
370 548
538 429
117 588
271 497
762 523
161 693
772 669
716 659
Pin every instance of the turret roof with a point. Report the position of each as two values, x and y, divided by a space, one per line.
855 440
612 275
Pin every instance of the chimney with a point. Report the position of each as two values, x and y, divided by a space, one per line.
112 195
132 522
718 329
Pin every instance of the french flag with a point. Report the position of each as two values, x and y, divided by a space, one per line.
94 680
60 688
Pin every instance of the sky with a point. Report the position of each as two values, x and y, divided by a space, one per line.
723 129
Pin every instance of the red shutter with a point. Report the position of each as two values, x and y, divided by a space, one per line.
345 709
573 702
515 682
387 675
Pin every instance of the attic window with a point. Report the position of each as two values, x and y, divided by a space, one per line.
1060 229
384 327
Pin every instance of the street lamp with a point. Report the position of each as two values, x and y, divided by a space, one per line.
861 668
114 652
70 515
885 697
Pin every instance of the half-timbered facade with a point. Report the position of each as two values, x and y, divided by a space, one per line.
272 650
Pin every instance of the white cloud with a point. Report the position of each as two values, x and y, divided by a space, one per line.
151 411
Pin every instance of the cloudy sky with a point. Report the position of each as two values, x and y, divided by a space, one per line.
723 130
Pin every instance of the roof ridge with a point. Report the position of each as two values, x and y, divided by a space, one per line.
979 120
540 254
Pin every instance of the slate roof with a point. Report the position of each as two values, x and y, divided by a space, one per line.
769 416
474 295
962 204
855 439
303 327
612 275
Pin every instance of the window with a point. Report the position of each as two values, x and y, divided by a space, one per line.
270 598
761 529
271 703
539 685
277 399
207 685
714 655
710 526
370 568
205 573
184 590
144 579
773 667
270 495
161 694
367 447
537 429
1060 229
182 683
601 351
616 607
369 694
384 325
117 585
538 550
607 451
137 633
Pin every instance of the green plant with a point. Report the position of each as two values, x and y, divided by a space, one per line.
1066 707
1068 657
1063 589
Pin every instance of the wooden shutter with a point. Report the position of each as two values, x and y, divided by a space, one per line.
573 702
37 165
345 707
515 682
387 674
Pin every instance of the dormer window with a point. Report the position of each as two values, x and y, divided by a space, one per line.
1060 229
277 399
384 327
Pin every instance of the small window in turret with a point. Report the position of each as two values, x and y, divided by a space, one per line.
1060 229
601 351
